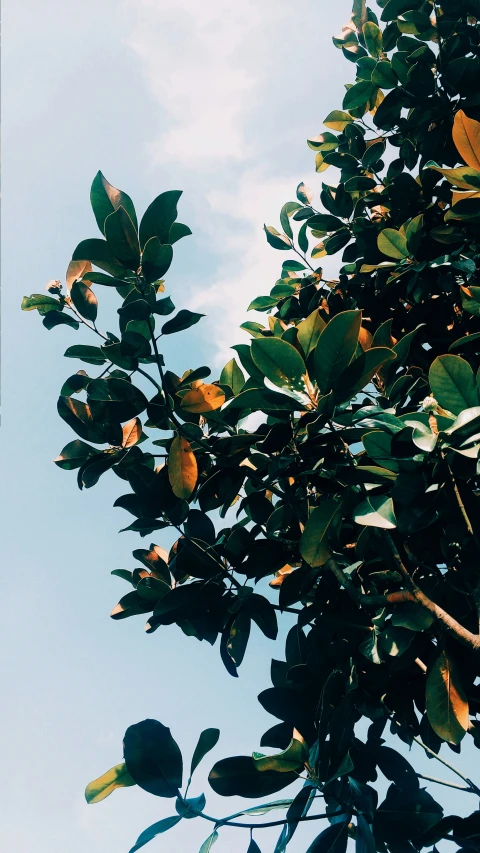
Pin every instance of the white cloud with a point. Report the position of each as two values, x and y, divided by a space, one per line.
199 60
219 71
248 267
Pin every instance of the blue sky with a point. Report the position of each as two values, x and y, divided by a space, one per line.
217 99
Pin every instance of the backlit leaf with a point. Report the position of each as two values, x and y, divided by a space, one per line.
446 702
202 400
117 777
393 243
466 136
182 468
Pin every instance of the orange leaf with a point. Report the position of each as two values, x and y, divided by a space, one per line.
182 468
466 136
207 398
131 432
446 703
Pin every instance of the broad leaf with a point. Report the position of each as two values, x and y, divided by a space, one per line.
466 136
153 758
117 777
452 383
336 348
280 362
182 468
105 199
314 543
206 742
446 702
202 400
155 829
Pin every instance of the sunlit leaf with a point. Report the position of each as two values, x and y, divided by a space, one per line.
182 468
466 136
117 777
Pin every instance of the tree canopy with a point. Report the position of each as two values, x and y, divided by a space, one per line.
351 499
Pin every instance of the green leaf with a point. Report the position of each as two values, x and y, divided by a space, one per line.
232 375
124 400
358 95
309 331
336 348
291 758
275 239
122 238
238 636
98 253
163 307
57 318
373 39
384 76
79 417
338 120
314 546
41 303
177 231
373 153
333 839
238 776
452 383
376 511
208 844
156 259
154 830
183 320
324 222
206 742
89 354
263 303
361 371
159 217
393 243
117 777
189 808
73 455
280 362
84 300
153 758
105 199
288 210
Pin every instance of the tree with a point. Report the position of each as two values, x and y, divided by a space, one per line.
357 496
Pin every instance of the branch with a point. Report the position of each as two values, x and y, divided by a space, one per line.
243 825
462 634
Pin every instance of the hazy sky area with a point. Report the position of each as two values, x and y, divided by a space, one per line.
216 98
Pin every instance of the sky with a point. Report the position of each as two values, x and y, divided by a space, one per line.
217 99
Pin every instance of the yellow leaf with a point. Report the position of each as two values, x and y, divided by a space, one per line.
131 432
466 136
207 398
182 468
117 777
446 703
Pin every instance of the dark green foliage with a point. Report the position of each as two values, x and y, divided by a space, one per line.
357 494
